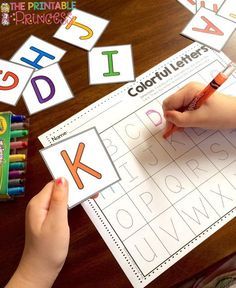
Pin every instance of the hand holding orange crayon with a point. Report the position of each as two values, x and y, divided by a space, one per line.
192 102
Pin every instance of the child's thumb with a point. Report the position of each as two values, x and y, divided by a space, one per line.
58 204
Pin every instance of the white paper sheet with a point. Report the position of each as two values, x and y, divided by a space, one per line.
172 194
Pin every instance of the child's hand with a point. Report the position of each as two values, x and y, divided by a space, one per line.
47 238
218 112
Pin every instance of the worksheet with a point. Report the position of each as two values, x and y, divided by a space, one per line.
173 194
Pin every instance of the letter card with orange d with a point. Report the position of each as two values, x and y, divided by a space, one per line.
83 160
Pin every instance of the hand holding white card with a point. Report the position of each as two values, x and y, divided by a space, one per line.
84 162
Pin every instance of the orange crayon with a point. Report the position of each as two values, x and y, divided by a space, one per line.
202 96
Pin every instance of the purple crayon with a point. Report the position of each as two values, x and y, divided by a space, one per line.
16 174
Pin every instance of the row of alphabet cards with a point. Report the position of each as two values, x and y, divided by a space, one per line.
34 71
214 21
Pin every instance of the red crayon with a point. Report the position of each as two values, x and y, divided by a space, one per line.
19 145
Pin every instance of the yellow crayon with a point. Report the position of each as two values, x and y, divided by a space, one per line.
4 197
17 158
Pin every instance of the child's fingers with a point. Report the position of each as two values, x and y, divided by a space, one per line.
38 206
44 196
186 119
182 97
58 209
168 128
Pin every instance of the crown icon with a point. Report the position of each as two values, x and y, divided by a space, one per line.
5 10
5 7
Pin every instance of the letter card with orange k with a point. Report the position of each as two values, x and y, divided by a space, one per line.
83 160
209 28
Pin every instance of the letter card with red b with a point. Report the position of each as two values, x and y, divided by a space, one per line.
85 163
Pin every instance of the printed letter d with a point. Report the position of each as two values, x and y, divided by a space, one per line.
39 95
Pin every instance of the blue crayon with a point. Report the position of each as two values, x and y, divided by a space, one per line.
17 118
16 191
17 166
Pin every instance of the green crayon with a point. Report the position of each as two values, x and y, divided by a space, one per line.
19 133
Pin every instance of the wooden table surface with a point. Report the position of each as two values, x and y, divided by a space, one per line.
152 27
